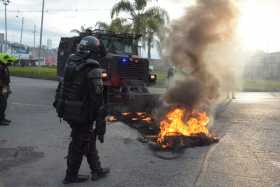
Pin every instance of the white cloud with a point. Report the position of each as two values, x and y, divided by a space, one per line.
175 8
59 23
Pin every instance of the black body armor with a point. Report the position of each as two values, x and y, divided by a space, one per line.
80 95
79 101
4 90
4 76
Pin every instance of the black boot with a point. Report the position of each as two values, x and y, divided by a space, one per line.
6 120
100 173
75 179
4 123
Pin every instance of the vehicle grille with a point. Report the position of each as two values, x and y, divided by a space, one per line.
132 70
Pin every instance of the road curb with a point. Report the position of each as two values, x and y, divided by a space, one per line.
33 77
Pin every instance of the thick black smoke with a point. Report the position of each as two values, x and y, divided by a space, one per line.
199 44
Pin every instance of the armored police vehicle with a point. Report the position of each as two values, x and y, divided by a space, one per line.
125 74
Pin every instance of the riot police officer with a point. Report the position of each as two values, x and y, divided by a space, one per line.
79 101
4 88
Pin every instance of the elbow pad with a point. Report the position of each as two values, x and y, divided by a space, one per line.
96 81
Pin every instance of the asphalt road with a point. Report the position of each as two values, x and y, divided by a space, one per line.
33 148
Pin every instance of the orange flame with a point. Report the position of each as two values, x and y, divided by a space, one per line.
138 116
147 119
125 113
174 124
111 119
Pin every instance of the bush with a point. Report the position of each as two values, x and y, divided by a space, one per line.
34 72
261 85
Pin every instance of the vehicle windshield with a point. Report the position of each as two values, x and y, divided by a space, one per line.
120 45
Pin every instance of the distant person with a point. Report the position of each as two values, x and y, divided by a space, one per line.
79 101
170 74
231 95
5 90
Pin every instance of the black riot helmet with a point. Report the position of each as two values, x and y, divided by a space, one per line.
92 46
89 44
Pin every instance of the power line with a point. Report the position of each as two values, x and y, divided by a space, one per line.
57 10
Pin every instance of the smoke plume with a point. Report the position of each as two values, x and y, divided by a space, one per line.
201 46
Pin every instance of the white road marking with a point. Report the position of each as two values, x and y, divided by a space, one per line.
31 105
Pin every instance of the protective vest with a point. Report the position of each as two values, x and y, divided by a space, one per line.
74 100
4 76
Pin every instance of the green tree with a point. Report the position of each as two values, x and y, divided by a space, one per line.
83 30
155 28
145 21
118 25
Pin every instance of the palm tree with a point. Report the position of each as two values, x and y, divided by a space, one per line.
154 28
145 21
102 25
83 30
118 25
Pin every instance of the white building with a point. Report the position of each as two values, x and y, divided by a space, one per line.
263 66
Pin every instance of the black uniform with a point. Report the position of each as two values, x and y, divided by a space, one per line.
4 92
79 101
85 86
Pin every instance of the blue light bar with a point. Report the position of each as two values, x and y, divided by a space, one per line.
124 60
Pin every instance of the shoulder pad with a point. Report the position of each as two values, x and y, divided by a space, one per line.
89 63
3 66
92 61
95 73
75 57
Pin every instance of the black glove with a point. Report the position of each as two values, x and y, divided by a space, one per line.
9 90
100 138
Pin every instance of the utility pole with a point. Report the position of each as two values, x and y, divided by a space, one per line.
41 31
6 3
21 31
34 39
